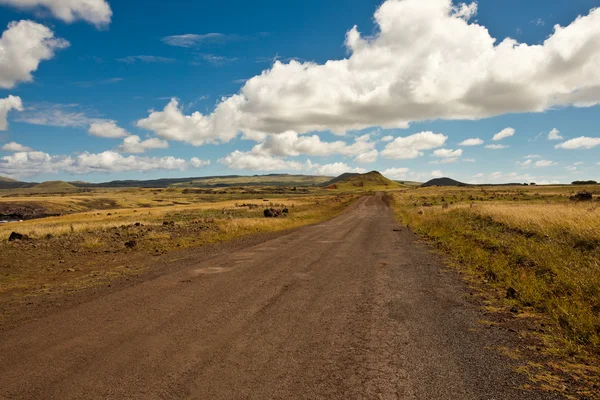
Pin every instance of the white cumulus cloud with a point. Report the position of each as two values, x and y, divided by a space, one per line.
96 12
387 138
336 169
22 47
411 146
107 129
554 135
198 163
14 147
260 162
544 163
196 129
450 160
292 144
496 146
504 133
582 142
428 60
6 105
24 164
368 157
396 173
255 162
446 153
471 142
134 144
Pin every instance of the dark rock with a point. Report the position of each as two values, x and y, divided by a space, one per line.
511 293
273 213
17 236
130 244
138 224
582 196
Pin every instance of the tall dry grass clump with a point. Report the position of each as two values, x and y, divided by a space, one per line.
547 255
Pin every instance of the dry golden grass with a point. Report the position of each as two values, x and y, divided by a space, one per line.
80 250
531 239
575 220
97 220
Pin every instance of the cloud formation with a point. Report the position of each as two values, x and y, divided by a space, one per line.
24 164
6 105
367 158
195 162
544 163
411 146
503 134
582 142
471 142
336 169
427 61
22 47
96 12
14 147
255 162
134 144
446 153
396 173
60 115
193 40
146 59
554 135
292 144
107 129
196 129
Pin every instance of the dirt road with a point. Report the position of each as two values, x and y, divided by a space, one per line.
348 309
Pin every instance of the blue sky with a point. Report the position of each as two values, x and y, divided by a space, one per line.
140 90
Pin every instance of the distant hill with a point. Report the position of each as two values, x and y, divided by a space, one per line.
57 186
7 183
443 182
409 183
214 181
342 177
371 180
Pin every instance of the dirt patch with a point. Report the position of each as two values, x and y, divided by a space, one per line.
24 211
99 204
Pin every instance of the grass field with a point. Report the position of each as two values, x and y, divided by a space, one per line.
532 250
539 251
102 233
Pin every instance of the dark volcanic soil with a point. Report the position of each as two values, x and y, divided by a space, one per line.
348 309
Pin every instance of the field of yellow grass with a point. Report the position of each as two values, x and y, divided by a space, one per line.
539 251
89 248
107 218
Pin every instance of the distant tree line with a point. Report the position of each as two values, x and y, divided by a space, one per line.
585 183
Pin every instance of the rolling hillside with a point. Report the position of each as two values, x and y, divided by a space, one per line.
443 182
214 181
370 181
57 186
